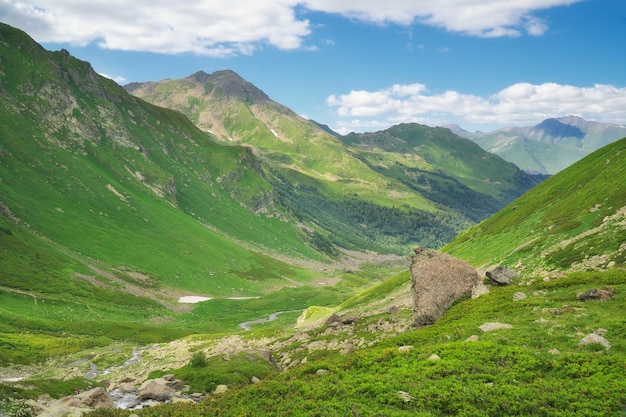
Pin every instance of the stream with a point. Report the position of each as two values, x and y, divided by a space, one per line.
246 324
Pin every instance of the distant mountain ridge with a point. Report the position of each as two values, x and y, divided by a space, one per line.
549 146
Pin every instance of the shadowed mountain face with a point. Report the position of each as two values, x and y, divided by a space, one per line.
556 129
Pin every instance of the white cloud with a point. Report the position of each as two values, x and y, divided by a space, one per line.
203 27
520 103
117 79
223 28
484 18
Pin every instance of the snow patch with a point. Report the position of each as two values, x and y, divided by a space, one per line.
193 299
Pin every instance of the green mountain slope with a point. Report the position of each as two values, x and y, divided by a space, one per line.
112 208
108 176
452 172
337 187
575 219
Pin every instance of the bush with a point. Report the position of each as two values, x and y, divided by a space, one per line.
198 360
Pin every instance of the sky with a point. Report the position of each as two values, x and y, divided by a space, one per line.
363 65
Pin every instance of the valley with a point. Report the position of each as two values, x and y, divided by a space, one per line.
201 239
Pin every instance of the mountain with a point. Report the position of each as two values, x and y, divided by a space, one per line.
112 208
450 171
333 182
574 220
548 147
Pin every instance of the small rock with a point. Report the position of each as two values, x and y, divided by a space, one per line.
434 357
473 338
405 396
220 389
255 380
321 372
487 327
405 348
554 351
595 338
394 310
541 320
519 296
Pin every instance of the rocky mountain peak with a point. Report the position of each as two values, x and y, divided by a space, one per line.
231 84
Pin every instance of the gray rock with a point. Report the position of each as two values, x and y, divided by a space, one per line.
488 327
321 372
479 289
595 338
437 281
501 275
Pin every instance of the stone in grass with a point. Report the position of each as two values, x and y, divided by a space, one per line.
488 327
220 389
595 338
519 296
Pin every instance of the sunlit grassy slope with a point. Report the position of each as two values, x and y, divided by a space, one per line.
574 219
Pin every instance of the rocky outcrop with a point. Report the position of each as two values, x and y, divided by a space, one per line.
437 281
597 294
74 405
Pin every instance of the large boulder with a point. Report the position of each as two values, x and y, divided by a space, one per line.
437 281
156 389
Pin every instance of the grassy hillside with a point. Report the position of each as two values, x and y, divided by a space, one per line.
450 171
575 219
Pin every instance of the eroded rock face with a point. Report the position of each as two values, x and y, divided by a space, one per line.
437 281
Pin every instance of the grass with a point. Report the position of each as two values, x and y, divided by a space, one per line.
530 230
509 372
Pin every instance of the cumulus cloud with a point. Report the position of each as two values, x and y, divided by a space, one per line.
223 28
521 103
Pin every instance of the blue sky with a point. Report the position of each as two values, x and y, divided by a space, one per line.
363 65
